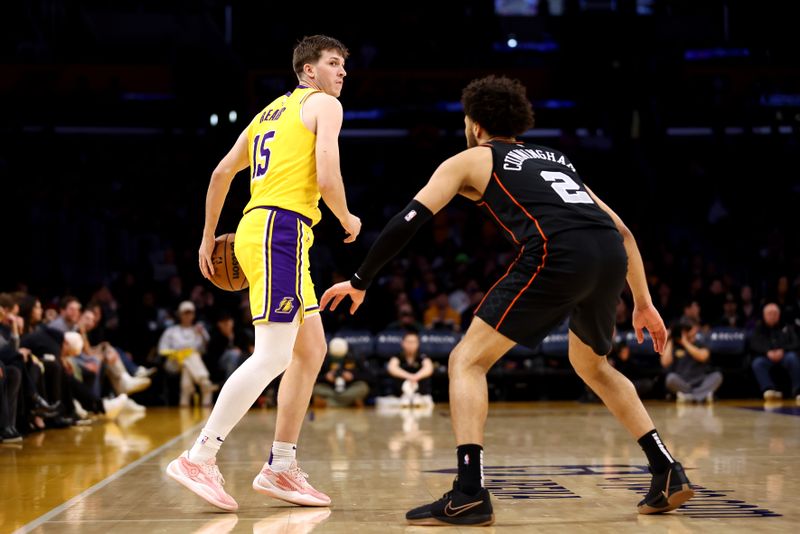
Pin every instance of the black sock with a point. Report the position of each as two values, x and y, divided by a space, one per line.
470 468
658 456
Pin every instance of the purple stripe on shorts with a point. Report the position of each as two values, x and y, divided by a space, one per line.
300 263
270 215
285 300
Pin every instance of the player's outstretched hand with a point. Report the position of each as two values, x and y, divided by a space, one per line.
336 293
204 257
648 317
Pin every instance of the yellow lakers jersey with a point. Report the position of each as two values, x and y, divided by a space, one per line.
283 169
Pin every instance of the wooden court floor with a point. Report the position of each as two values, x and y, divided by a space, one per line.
552 467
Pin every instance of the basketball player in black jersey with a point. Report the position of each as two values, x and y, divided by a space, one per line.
574 255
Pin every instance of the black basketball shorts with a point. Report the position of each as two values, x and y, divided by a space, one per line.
577 274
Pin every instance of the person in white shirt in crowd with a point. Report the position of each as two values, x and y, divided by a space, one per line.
184 344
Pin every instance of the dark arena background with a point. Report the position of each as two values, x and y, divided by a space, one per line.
682 116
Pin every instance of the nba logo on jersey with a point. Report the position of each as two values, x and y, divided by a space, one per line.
285 306
466 459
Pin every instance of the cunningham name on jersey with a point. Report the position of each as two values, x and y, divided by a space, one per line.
515 158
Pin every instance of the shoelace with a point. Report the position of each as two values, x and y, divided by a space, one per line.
213 472
296 472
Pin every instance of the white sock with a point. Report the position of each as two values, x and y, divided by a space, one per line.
271 357
207 446
282 455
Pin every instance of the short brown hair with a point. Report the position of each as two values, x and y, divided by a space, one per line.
310 49
499 104
66 301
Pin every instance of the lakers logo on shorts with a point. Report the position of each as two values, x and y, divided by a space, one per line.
286 305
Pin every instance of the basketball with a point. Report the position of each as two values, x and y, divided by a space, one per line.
228 274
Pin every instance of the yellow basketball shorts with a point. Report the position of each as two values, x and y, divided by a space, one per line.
272 247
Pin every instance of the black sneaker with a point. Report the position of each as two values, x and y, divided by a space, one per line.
455 508
10 434
668 490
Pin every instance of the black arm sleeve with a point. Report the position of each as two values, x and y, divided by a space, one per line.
397 233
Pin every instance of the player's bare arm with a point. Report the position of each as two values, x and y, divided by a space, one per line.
323 113
645 314
234 161
466 173
453 176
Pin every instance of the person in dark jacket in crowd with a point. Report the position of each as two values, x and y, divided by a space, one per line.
775 344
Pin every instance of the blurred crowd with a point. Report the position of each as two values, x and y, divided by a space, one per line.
65 360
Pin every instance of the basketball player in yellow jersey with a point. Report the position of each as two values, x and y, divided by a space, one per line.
292 150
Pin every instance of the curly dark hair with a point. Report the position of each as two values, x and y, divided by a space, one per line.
499 104
310 49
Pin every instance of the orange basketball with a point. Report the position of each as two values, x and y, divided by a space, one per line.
228 274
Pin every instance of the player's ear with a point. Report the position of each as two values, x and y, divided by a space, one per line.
476 129
309 70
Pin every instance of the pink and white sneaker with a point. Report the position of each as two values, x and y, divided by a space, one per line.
290 486
202 478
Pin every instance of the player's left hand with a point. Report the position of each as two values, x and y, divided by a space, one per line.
648 317
338 292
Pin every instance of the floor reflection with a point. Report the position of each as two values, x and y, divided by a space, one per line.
409 438
292 521
218 525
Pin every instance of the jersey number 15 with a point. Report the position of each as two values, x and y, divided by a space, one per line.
261 155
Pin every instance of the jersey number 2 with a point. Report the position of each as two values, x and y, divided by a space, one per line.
569 191
261 155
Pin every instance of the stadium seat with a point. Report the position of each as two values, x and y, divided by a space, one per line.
521 352
438 344
387 343
724 340
361 342
556 344
645 349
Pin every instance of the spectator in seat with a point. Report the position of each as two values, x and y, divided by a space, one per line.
731 318
103 356
413 372
623 317
345 382
691 313
224 355
184 344
748 308
715 297
69 315
33 406
666 301
690 377
96 337
775 344
440 316
405 319
9 393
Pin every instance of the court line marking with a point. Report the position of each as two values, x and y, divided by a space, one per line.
103 483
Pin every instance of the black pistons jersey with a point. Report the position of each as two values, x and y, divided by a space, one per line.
534 194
